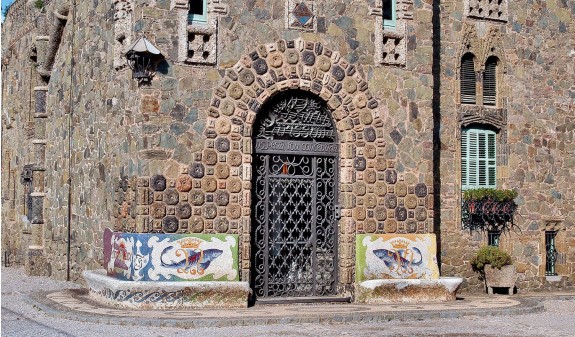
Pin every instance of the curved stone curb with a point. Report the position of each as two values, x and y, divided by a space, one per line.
72 304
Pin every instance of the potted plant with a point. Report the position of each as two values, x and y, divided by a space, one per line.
495 267
486 208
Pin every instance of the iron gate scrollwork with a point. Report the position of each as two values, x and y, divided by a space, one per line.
295 194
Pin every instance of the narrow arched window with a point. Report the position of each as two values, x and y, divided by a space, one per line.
198 11
467 77
490 82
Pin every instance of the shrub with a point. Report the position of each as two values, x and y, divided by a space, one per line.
489 193
39 4
490 255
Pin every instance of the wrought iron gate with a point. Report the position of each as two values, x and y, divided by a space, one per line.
295 194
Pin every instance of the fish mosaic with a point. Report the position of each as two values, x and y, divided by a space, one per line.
171 257
391 256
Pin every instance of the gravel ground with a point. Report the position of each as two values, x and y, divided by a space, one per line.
19 318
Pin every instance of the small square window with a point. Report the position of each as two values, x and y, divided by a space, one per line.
493 238
389 14
198 12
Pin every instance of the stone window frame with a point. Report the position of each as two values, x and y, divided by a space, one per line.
483 48
202 49
556 224
391 44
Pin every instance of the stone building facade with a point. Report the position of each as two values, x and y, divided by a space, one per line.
85 147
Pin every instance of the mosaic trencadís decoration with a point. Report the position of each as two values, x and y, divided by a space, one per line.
171 257
301 15
391 256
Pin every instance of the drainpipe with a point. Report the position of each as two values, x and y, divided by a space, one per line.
61 12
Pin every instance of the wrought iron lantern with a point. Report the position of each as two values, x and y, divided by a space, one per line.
142 57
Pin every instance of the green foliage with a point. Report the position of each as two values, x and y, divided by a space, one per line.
39 4
489 193
490 255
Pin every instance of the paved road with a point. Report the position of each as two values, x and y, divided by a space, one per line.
20 318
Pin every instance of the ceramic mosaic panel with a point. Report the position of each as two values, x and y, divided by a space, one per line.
171 257
389 256
301 15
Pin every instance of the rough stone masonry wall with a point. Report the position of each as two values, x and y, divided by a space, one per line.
18 128
124 137
535 118
192 163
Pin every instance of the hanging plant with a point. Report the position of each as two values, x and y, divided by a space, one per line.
488 209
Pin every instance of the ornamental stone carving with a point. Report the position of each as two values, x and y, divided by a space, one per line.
391 43
486 9
197 42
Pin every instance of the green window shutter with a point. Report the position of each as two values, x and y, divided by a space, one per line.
389 14
490 82
198 11
467 80
478 158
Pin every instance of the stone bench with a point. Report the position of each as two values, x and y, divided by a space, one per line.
384 291
400 268
169 271
165 295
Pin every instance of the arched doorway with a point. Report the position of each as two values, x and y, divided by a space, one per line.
294 202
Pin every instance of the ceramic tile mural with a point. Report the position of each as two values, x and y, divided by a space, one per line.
390 256
171 257
301 15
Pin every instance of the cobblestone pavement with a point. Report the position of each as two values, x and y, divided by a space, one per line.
23 317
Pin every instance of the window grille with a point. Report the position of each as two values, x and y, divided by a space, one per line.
198 11
490 82
493 238
478 163
551 253
468 82
389 14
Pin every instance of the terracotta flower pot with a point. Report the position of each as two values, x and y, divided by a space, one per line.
500 278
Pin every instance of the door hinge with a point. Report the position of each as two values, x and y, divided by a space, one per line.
337 212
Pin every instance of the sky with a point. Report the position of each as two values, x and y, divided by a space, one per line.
4 4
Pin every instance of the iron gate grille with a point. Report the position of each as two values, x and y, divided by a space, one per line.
295 192
551 253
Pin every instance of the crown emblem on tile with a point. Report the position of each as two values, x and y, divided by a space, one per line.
190 243
400 244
